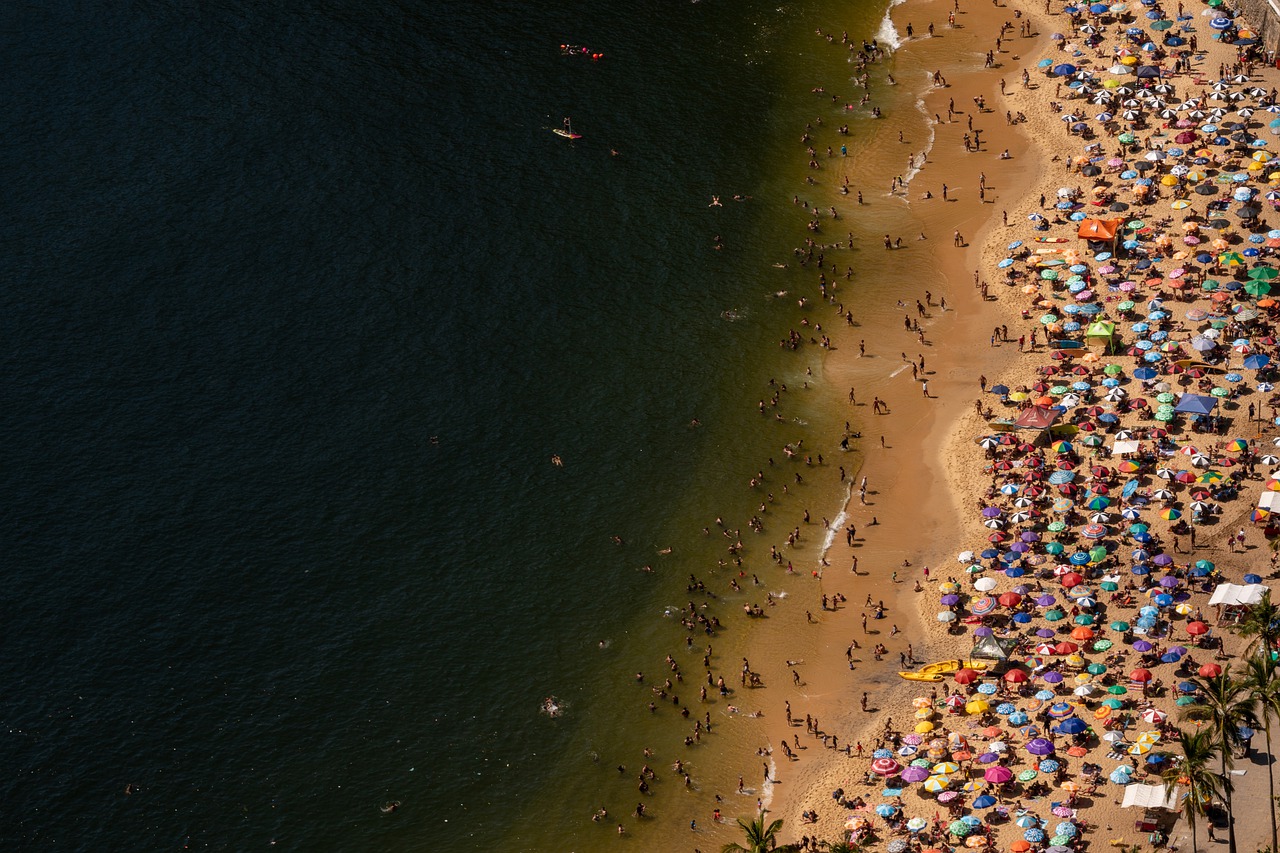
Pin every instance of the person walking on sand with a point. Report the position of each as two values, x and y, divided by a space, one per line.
957 239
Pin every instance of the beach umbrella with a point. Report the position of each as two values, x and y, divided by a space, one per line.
885 766
1034 835
997 775
1072 726
1040 746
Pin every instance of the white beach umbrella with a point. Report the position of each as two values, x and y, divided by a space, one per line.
1162 494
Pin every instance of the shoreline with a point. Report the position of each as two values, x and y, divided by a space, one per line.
945 439
929 426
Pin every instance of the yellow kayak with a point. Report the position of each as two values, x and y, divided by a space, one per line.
941 669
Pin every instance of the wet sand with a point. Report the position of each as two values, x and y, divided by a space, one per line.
910 492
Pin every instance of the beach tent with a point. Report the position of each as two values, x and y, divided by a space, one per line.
1269 500
1196 404
1150 797
1101 333
1037 417
1099 230
1232 595
992 648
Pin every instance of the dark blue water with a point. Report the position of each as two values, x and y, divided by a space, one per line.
297 306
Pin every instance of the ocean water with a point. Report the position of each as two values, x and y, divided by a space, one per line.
300 303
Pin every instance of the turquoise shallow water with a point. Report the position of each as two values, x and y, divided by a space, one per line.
299 307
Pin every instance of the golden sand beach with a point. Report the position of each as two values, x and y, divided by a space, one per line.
930 482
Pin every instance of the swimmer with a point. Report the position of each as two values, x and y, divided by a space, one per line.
389 806
557 461
715 202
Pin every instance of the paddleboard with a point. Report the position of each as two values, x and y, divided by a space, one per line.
566 134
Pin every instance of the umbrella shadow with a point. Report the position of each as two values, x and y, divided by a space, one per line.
1261 759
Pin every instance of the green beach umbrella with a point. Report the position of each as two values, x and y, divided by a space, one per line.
1204 565
1127 305
1211 284
1113 704
1138 527
1049 275
1113 370
1117 690
1056 527
1126 138
1098 554
1102 645
1055 615
1096 668
1083 619
1165 397
1026 775
1109 586
1263 273
1164 416
1058 390
1219 392
1135 225
959 829
1183 701
1119 625
1257 288
1093 441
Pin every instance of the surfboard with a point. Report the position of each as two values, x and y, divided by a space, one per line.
1051 239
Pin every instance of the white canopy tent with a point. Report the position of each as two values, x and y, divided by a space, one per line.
1230 594
1151 797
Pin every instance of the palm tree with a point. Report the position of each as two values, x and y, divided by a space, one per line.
1263 683
1261 621
1225 706
1195 774
761 838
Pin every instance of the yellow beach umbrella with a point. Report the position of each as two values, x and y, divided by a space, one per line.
1262 156
922 702
977 706
924 727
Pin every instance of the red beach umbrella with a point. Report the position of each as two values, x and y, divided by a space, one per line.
966 676
1195 629
1210 670
1142 676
